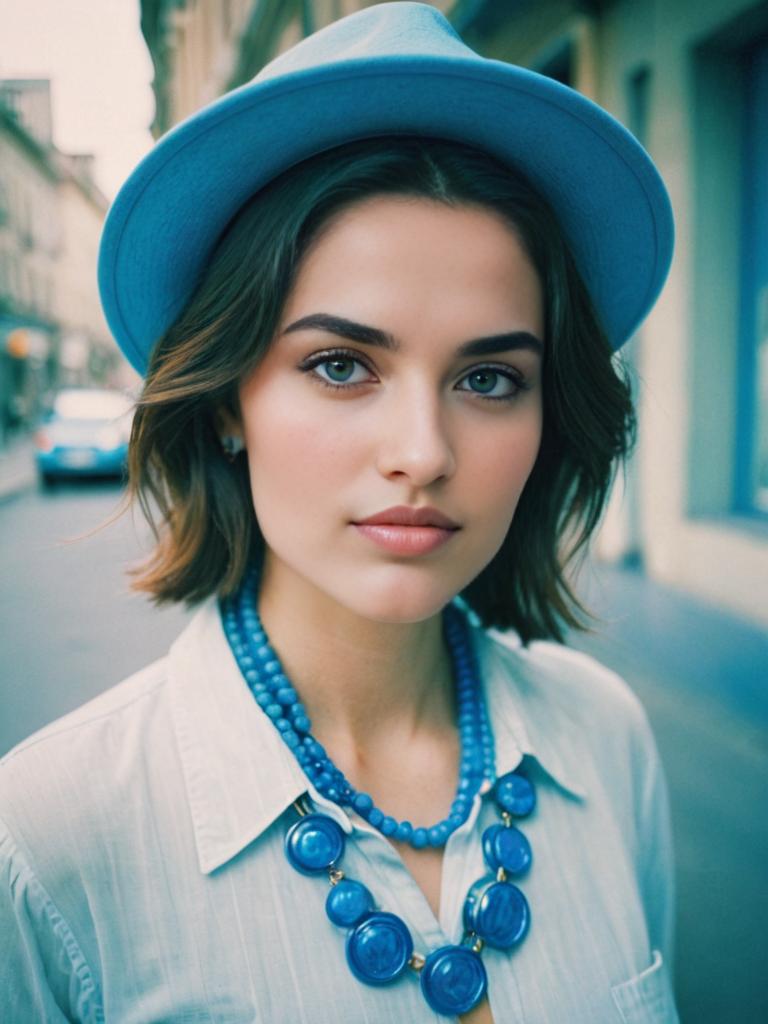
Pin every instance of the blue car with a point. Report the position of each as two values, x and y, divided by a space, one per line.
85 434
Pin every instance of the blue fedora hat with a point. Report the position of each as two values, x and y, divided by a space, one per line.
394 68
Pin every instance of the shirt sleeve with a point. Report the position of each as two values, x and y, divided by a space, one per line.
43 973
657 868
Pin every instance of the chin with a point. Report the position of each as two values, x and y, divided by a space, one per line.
398 597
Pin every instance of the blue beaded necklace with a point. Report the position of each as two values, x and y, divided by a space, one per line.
379 946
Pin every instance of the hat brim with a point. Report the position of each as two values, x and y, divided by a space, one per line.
605 190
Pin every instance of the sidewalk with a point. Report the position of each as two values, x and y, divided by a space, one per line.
17 466
701 674
650 631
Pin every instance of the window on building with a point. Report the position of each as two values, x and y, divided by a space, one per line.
727 348
752 405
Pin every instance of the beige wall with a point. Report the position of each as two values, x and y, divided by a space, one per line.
686 351
30 236
78 308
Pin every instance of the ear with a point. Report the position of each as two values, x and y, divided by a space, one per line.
227 422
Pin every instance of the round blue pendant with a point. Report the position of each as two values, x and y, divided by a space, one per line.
379 948
348 902
497 912
506 847
515 794
453 980
314 843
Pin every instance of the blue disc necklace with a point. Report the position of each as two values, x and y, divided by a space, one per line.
379 945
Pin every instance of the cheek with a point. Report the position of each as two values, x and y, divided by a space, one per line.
499 470
294 457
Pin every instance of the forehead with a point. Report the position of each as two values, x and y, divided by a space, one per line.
402 257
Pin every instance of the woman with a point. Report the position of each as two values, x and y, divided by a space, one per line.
380 415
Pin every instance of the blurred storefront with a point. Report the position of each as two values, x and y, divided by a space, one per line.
690 79
52 331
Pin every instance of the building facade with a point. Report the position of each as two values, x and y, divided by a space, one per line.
52 331
690 79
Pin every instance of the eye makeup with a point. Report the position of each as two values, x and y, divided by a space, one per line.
496 372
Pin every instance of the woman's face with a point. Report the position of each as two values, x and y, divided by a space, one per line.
345 420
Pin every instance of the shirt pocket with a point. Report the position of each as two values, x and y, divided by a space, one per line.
647 998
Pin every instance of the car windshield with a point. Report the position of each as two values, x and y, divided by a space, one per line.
91 405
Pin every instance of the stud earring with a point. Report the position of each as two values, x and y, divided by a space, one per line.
231 447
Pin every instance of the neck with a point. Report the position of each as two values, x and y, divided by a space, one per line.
365 684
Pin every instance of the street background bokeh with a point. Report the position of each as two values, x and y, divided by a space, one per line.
679 572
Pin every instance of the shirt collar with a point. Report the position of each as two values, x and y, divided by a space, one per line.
239 775
528 718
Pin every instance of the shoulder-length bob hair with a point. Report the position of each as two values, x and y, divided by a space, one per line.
199 505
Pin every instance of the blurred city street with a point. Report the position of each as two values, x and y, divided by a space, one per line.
85 91
66 614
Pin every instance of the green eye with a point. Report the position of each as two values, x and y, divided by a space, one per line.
493 383
339 370
484 380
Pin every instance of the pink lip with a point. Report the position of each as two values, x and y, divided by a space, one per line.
405 540
408 531
403 515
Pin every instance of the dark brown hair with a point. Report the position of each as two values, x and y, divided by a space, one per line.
199 505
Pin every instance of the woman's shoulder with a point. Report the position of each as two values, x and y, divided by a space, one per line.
59 771
561 681
126 697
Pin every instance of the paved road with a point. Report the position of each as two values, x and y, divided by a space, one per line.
69 625
69 628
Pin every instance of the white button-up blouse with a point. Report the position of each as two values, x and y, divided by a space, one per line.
143 876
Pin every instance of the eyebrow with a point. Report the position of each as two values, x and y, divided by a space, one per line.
365 335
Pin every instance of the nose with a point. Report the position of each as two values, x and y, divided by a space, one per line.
414 440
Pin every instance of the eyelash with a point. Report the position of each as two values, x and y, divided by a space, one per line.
326 357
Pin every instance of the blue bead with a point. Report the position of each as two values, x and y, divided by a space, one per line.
348 902
264 699
301 723
314 843
453 980
379 948
362 803
497 912
274 711
515 794
438 834
506 848
271 666
388 826
316 750
286 695
404 831
291 739
375 817
419 838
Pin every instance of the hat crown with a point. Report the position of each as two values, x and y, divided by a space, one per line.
384 30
